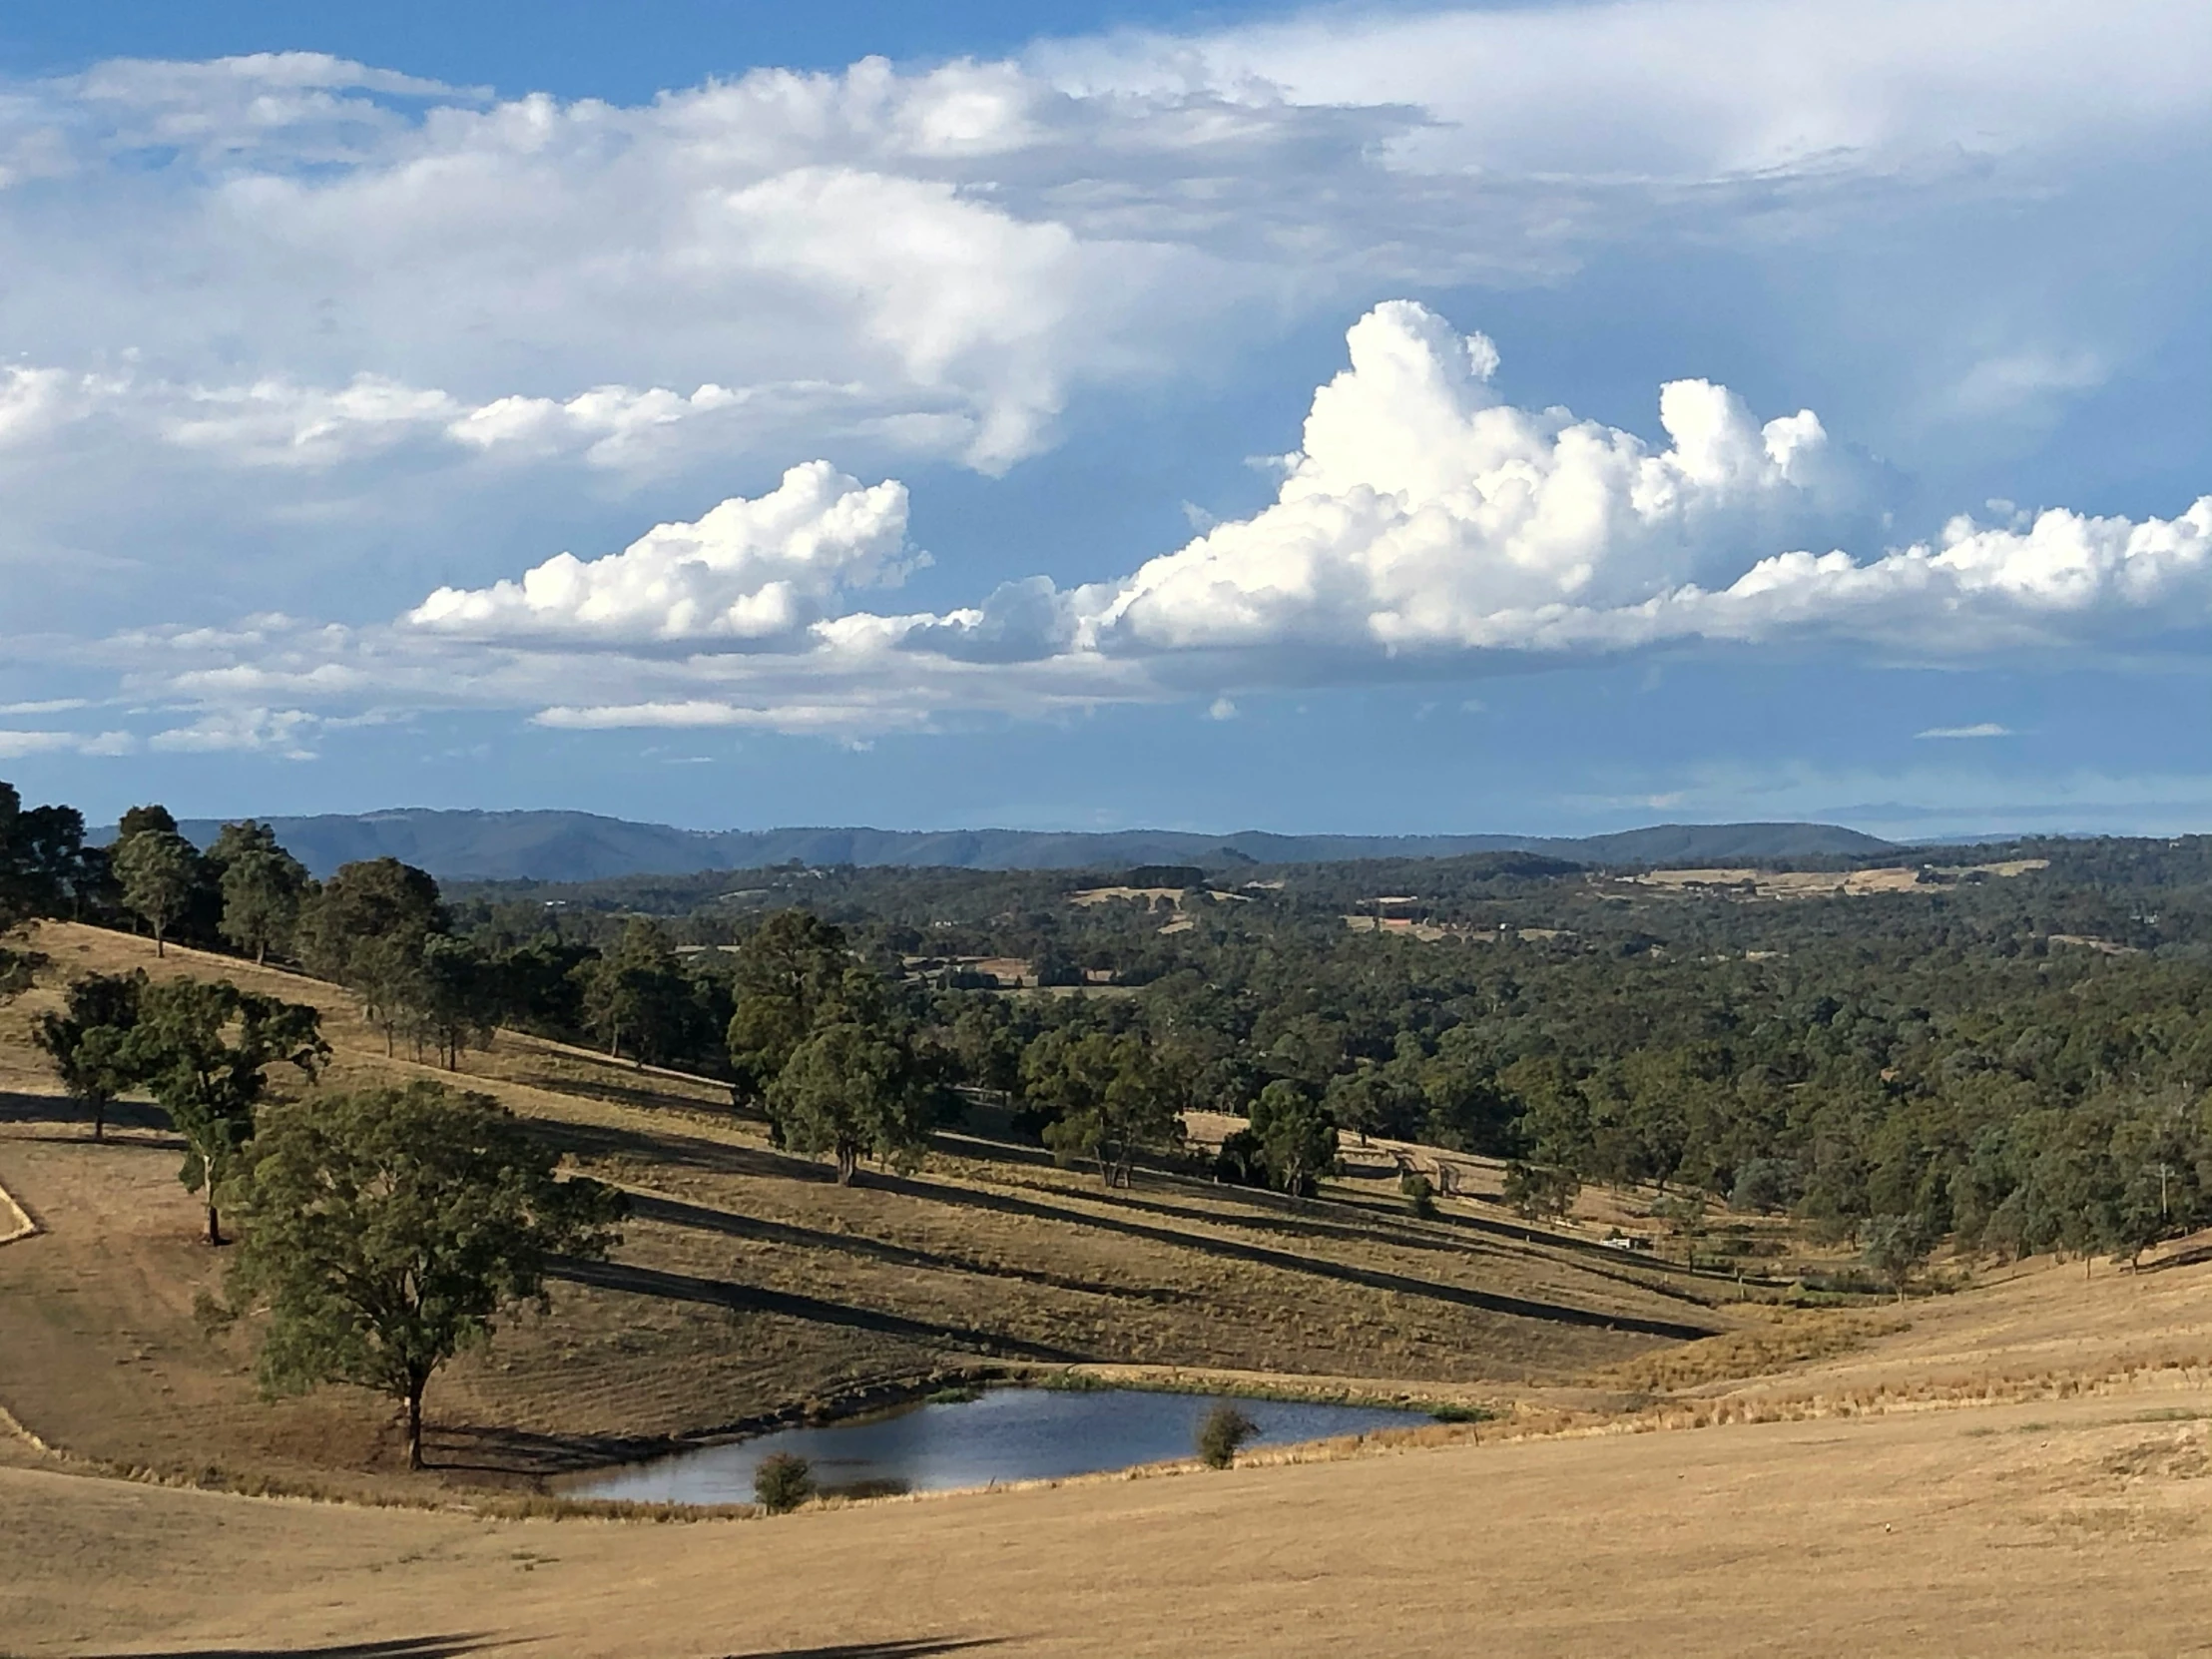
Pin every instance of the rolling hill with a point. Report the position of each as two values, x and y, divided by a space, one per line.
582 847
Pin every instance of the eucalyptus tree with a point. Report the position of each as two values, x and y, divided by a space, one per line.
89 1040
387 1231
263 889
202 1049
160 873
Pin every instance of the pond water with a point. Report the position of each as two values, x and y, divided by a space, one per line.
1006 1435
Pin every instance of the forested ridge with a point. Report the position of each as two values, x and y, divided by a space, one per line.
2010 1046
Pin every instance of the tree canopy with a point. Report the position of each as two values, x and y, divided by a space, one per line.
386 1231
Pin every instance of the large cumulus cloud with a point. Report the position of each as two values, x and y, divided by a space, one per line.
1426 526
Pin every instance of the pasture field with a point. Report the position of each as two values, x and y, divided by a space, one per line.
2023 1466
751 1285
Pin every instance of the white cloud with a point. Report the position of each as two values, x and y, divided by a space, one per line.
1698 89
1426 512
1426 527
754 571
1984 729
16 744
834 718
284 731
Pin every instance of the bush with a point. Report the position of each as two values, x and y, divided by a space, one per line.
1421 1194
1766 1185
1222 1433
1537 1190
782 1482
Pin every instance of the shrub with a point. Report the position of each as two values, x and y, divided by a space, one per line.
1451 1411
1537 1190
1421 1194
782 1482
1222 1433
1766 1185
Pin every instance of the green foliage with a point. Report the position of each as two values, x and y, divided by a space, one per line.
786 971
1296 1135
160 871
45 867
1419 1193
202 1050
365 929
386 1231
89 1040
1112 1098
638 995
1222 1433
1898 1247
854 1088
1540 1189
782 1481
455 998
263 889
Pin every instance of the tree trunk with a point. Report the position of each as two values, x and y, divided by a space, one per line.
99 1119
414 1425
215 1222
848 1160
260 954
158 950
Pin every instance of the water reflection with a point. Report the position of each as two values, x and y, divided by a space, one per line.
1006 1435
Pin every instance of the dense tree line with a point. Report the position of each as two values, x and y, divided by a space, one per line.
2018 1061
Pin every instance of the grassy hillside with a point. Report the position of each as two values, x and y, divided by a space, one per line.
2069 1517
751 1285
2015 1469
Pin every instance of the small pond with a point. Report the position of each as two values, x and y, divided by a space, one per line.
1005 1434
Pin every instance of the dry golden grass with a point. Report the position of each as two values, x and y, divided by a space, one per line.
1784 1339
2017 1468
2070 1529
1804 883
750 1284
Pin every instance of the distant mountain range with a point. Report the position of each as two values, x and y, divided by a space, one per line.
582 847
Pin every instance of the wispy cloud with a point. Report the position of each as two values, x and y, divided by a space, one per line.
1986 728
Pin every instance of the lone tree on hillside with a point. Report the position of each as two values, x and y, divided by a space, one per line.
1297 1136
1116 1096
366 927
788 974
89 1040
204 1050
1897 1246
388 1230
263 887
1539 1191
160 871
852 1089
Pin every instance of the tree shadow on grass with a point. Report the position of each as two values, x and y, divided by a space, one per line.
1236 1250
525 1456
599 1140
699 1217
921 1648
61 1109
404 1647
754 1298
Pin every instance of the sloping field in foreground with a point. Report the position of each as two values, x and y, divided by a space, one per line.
748 1283
2075 1527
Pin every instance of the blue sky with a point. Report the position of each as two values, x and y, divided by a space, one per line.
1385 418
